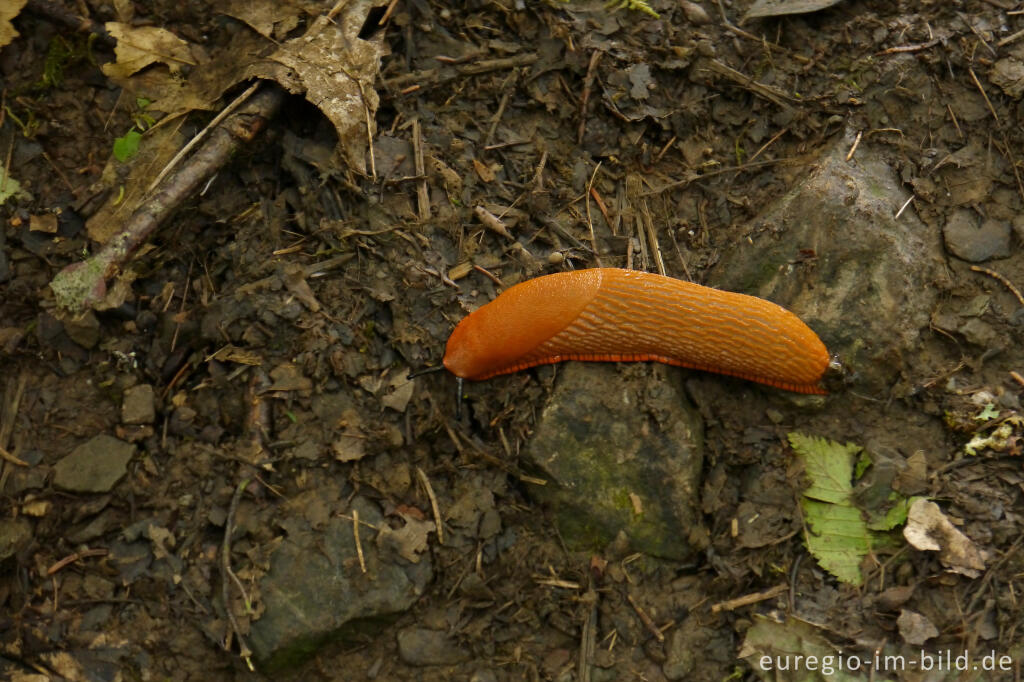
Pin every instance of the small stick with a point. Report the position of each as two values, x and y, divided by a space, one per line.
1017 377
359 544
668 145
908 48
733 604
11 458
984 94
225 564
750 36
500 112
1006 283
422 193
903 207
769 143
538 176
590 219
72 558
82 285
491 221
601 205
1010 38
856 143
433 77
438 521
588 639
646 620
588 83
225 112
956 123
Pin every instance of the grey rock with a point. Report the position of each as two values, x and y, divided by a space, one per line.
84 329
871 284
14 534
315 591
422 646
95 466
620 455
138 405
974 244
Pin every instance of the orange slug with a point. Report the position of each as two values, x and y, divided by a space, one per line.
613 315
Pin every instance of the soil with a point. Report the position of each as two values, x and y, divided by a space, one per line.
258 355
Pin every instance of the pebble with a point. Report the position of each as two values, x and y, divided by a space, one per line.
95 466
138 405
84 330
974 244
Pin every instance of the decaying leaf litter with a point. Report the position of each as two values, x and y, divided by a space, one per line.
249 358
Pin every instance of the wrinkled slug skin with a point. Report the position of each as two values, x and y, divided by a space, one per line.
608 314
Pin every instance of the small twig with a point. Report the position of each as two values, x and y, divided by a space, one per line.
645 619
433 77
590 220
4 454
225 112
82 285
496 119
538 175
438 521
359 543
746 600
225 563
422 192
72 558
1011 38
767 144
908 48
588 83
694 177
856 143
768 92
1006 283
750 36
588 639
903 207
988 102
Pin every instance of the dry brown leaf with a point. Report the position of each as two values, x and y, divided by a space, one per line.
928 529
138 47
9 10
274 20
398 392
335 70
410 540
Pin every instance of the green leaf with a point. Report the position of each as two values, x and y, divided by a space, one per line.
127 146
836 534
9 187
989 413
896 516
829 467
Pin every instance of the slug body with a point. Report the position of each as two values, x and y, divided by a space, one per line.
614 315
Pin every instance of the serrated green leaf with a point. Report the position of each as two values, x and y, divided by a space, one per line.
127 146
829 467
838 538
837 535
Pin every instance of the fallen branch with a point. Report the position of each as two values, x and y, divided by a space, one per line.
83 285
